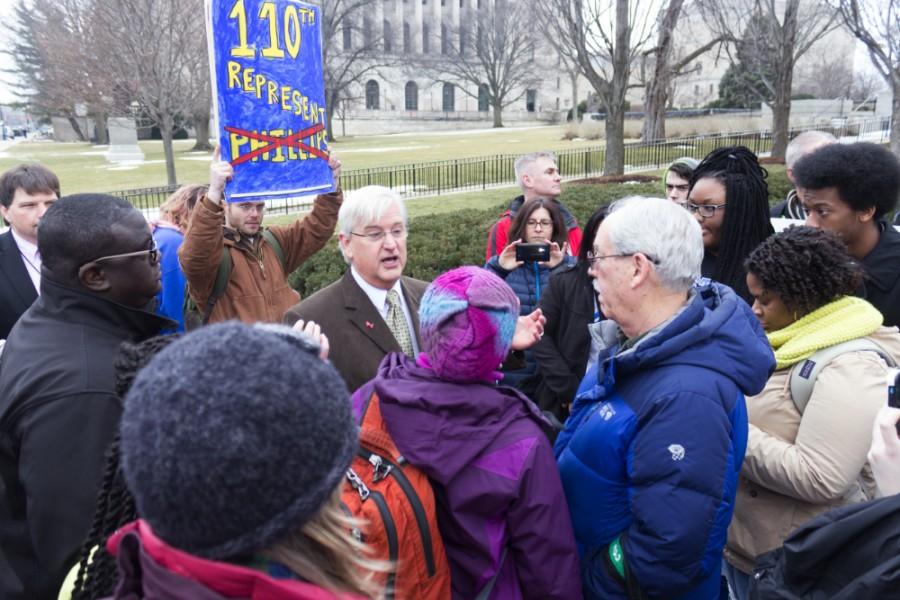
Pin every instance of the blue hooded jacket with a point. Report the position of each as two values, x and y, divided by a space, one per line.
652 450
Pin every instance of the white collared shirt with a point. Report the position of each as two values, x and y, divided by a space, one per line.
378 297
31 258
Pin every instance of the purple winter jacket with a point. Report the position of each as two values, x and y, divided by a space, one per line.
495 479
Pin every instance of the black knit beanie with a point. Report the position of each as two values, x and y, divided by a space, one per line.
233 437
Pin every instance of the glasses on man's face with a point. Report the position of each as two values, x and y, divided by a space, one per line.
152 252
594 258
377 236
706 210
544 223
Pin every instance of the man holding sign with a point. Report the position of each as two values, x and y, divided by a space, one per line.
270 101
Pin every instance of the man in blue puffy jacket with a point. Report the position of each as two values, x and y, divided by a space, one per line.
651 453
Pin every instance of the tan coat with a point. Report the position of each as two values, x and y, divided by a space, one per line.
258 289
799 467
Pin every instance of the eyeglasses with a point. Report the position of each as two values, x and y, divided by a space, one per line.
544 223
399 233
152 252
592 258
705 210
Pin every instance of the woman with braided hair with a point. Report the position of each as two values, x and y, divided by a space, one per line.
730 199
806 449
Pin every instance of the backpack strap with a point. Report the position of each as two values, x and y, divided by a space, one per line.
485 592
803 375
276 246
223 274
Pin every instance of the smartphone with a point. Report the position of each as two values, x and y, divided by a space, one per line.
893 385
533 252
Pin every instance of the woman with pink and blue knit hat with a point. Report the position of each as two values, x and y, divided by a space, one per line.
500 503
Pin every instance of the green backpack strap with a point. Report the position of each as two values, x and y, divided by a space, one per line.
276 246
803 374
222 275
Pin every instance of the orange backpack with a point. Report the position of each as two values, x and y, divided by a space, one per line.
396 503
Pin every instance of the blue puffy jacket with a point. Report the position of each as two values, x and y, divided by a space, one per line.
651 453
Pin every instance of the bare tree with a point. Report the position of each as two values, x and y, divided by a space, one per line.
769 42
878 27
665 68
605 38
493 51
829 76
156 57
350 51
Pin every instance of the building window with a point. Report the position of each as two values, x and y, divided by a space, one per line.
412 96
483 101
348 37
372 95
449 97
463 40
530 100
407 39
367 32
445 39
388 36
426 33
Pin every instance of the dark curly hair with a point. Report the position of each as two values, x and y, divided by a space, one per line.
864 174
97 576
746 222
806 267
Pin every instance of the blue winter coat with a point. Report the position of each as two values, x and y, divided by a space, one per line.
170 299
529 284
653 447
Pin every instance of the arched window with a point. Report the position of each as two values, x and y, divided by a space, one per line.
407 39
426 34
388 36
372 95
449 97
412 96
483 102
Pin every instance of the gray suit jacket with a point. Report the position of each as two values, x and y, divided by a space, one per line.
358 335
17 291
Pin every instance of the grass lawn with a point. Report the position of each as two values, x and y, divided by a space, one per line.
82 167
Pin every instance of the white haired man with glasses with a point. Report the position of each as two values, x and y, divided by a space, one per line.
651 452
373 309
58 406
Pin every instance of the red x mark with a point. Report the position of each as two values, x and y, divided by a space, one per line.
277 142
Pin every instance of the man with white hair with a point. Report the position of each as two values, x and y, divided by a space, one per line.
805 143
650 455
374 309
538 177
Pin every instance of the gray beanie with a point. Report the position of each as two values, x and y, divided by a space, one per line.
233 437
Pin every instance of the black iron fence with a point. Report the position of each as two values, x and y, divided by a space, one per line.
482 172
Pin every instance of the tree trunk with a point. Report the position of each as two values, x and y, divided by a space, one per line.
166 127
201 127
655 99
73 121
614 163
895 117
329 115
498 113
781 112
100 127
576 118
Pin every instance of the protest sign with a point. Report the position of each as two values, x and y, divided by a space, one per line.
266 59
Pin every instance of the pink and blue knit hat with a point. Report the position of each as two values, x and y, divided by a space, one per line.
467 319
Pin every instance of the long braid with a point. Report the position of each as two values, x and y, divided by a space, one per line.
97 573
746 223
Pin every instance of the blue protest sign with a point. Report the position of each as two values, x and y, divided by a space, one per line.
270 96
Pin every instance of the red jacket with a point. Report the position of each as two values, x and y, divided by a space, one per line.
498 235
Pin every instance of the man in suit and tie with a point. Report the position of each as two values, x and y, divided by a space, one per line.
26 192
373 309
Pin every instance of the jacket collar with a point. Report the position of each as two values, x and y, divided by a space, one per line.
881 262
100 313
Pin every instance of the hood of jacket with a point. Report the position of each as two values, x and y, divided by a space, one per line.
445 425
148 564
715 330
567 215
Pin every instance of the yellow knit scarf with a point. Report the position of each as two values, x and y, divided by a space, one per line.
845 319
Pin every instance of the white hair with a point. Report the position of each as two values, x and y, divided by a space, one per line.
365 206
805 143
526 160
661 230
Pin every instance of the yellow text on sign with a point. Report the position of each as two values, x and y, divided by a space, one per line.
292 19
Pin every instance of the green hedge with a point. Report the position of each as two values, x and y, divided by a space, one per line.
438 243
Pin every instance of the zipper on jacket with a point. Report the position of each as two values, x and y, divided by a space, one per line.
414 501
390 530
354 531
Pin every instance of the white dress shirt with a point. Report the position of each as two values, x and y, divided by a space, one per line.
31 258
378 297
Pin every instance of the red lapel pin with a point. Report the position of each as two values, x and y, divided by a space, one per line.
370 325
